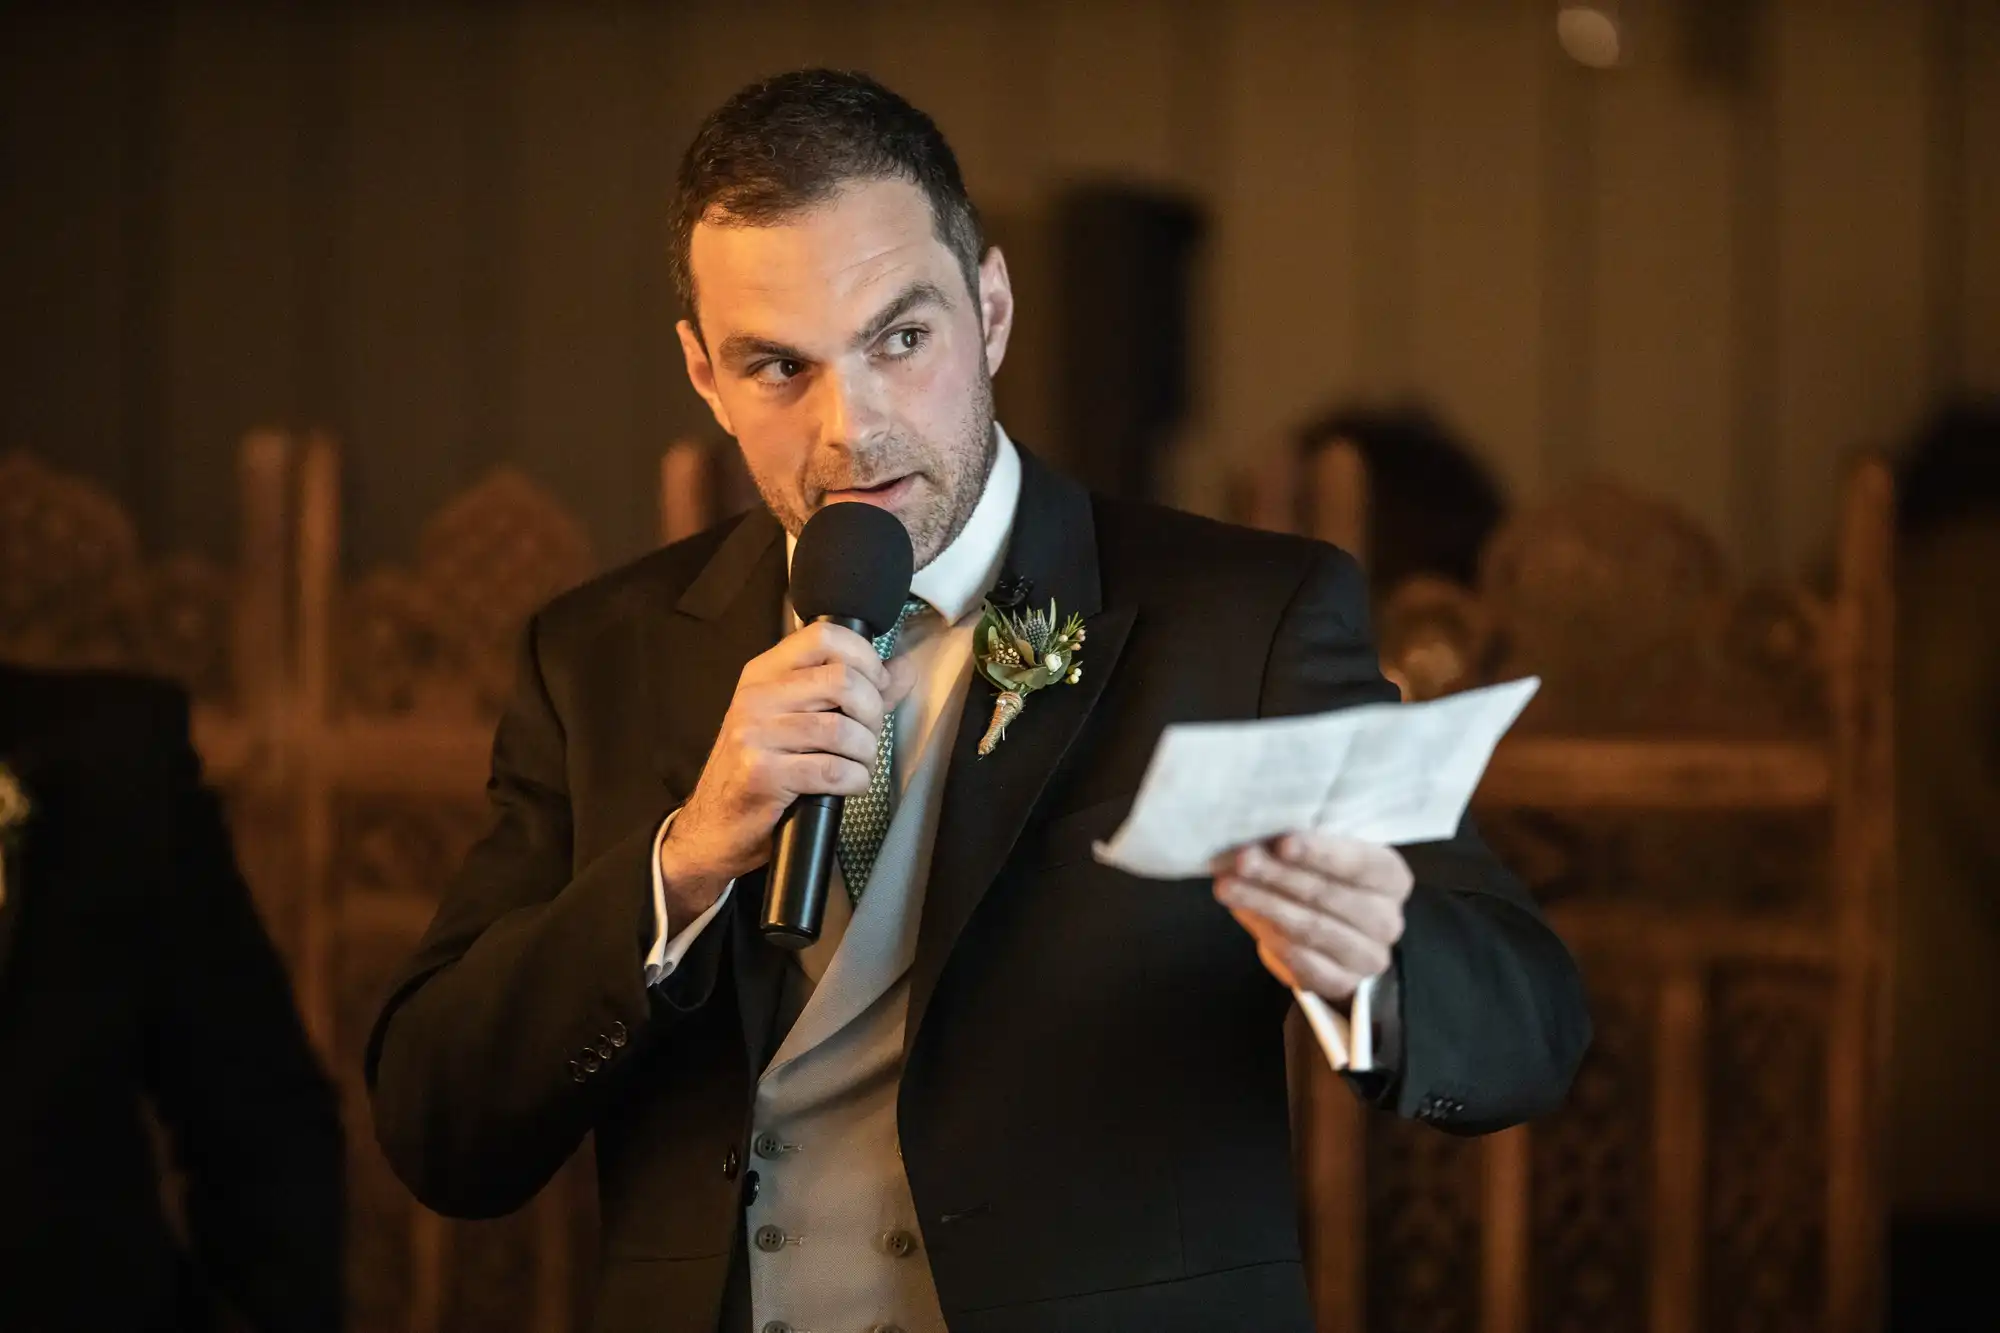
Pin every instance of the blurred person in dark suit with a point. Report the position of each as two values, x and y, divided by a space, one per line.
1945 1165
1432 504
137 982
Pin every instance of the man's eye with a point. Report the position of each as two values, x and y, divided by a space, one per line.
780 371
902 342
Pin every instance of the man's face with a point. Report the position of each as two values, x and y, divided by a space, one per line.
841 348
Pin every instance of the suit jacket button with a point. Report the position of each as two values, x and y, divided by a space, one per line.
898 1242
731 1163
770 1239
605 1048
617 1034
591 1061
576 1071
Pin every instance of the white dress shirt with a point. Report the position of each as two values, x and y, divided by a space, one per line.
939 645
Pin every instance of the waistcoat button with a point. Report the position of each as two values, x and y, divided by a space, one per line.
898 1242
770 1239
777 1326
770 1146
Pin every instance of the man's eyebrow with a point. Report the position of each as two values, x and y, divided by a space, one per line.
920 292
739 348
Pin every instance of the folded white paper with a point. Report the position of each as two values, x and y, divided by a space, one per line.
1385 773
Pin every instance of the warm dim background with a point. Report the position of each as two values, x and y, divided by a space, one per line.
1766 245
1715 273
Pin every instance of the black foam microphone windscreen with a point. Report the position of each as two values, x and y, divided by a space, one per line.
852 563
852 566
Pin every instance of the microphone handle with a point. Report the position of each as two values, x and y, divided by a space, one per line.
802 857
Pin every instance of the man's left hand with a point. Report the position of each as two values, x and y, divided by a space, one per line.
1325 910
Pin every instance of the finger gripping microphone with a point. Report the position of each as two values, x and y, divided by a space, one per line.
852 567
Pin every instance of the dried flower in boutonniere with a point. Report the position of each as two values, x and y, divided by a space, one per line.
14 812
1019 653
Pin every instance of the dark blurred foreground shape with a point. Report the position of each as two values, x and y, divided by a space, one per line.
147 1026
1946 1092
1701 797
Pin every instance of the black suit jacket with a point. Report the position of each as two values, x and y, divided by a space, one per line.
135 974
1093 1109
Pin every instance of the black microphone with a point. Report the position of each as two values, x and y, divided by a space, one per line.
852 567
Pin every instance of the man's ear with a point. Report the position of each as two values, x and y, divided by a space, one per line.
996 307
701 373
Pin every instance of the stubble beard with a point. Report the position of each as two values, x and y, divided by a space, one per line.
964 462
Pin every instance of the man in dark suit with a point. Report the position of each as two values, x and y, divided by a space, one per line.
1013 1089
136 982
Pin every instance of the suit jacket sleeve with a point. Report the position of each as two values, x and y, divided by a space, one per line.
1493 1015
526 1000
253 1121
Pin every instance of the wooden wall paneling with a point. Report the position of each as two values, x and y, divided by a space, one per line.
1287 332
403 315
66 261
942 58
1568 267
1109 75
1477 213
231 144
664 405
1661 293
1852 370
578 79
1979 296
1379 95
718 52
1756 319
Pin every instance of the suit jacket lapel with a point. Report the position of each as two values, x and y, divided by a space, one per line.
987 802
737 601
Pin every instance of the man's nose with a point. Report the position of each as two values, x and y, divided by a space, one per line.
847 411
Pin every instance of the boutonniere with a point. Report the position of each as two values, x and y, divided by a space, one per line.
1019 653
14 811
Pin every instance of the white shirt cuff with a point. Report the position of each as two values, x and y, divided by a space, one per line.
1349 1042
669 949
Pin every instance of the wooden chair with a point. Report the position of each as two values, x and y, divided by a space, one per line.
396 682
1702 798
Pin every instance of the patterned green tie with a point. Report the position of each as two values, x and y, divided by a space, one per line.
864 819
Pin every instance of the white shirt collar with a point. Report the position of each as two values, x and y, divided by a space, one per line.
956 580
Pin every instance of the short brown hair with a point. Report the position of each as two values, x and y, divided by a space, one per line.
786 143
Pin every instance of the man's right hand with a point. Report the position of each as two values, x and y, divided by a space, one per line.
805 720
